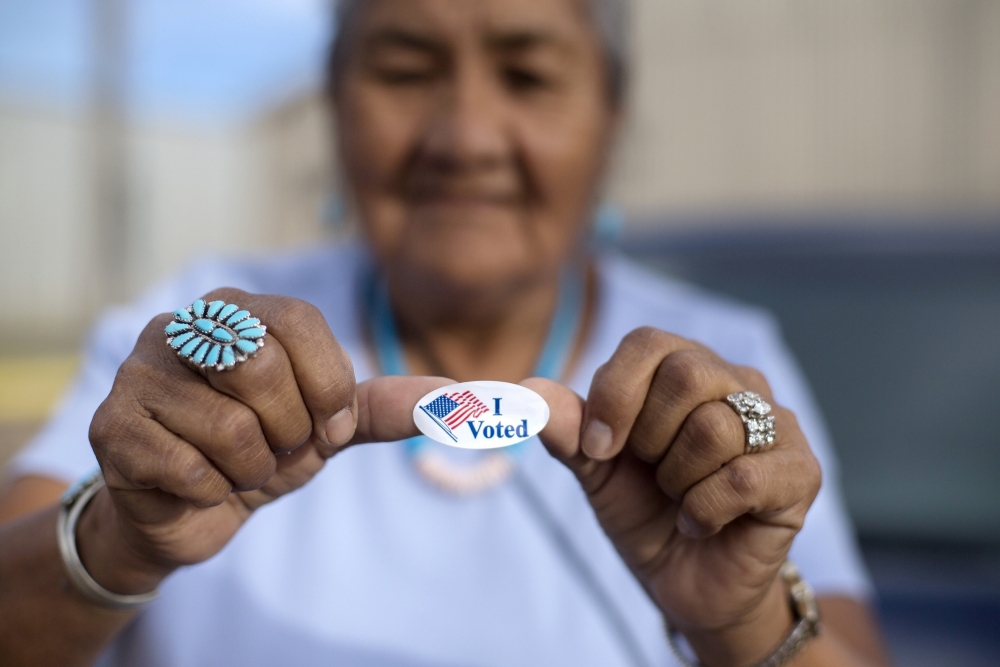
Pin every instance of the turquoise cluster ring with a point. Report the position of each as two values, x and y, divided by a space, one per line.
215 335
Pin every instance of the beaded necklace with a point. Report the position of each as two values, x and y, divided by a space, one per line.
496 466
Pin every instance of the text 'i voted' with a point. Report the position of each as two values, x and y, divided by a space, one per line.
481 415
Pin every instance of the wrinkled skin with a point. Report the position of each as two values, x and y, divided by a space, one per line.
704 527
189 455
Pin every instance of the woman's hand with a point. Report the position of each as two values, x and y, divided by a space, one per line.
189 455
703 526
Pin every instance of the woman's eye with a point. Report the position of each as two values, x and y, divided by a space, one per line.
521 79
405 75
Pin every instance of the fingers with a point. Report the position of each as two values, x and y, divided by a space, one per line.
301 382
619 388
385 406
775 486
200 460
753 380
705 467
684 380
137 454
292 472
711 436
267 385
647 389
225 430
561 436
197 436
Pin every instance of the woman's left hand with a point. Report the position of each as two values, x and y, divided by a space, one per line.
702 525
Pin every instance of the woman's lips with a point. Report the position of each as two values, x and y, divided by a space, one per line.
464 191
465 202
464 206
464 210
463 197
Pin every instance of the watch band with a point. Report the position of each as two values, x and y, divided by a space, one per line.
72 504
803 601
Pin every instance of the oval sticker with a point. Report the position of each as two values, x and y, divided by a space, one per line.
481 415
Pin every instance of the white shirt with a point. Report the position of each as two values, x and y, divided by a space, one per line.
368 565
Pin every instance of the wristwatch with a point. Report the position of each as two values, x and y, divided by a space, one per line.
807 626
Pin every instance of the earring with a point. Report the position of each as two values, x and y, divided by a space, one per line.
335 213
609 222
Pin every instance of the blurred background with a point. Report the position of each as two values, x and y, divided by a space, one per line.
836 162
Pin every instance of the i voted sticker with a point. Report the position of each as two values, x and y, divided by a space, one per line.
481 415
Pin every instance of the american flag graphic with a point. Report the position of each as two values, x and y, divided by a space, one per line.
449 411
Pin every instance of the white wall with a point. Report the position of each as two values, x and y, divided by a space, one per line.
45 247
191 192
194 193
805 104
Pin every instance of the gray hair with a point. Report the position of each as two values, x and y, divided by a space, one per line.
610 17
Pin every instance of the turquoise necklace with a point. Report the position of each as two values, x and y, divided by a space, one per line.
497 465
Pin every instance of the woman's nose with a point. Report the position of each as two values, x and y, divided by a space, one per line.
468 129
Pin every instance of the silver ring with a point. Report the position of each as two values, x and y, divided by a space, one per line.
758 422
215 335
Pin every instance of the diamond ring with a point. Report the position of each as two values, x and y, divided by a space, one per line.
215 335
757 419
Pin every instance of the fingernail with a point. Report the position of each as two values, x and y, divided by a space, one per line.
596 441
340 428
687 526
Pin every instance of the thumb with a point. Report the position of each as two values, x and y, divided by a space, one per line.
385 406
561 436
384 414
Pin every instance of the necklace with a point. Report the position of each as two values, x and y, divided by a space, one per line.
494 467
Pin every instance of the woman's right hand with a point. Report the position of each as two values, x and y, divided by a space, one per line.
189 455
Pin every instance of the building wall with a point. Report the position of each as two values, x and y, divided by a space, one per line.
191 192
847 105
300 178
45 246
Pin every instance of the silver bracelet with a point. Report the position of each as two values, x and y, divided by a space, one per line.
72 504
803 601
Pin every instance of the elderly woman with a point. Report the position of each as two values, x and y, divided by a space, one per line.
648 527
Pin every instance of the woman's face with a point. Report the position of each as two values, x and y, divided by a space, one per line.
473 134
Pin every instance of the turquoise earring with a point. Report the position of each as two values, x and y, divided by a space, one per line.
609 222
335 213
